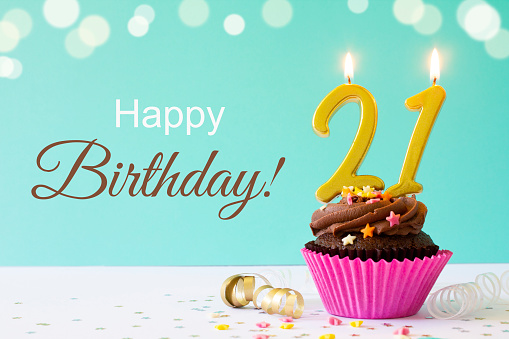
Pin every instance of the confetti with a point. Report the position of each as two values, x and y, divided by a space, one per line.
357 323
334 321
213 315
261 336
402 330
286 326
327 336
263 324
222 327
287 319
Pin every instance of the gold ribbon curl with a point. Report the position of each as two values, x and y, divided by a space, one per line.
239 289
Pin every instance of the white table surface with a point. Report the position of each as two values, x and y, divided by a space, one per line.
174 302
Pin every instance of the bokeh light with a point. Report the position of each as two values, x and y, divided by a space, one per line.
430 22
17 69
358 6
94 30
145 11
463 9
234 24
6 66
498 46
482 22
61 13
76 47
21 19
408 12
277 13
9 36
137 26
193 13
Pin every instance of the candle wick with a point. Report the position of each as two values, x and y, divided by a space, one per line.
434 81
349 80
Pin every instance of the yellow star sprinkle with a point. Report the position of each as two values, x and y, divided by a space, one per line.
348 240
368 231
346 190
386 196
222 327
286 326
357 323
357 191
327 336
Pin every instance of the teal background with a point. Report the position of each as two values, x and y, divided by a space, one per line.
270 81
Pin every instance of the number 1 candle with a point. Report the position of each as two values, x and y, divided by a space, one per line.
428 102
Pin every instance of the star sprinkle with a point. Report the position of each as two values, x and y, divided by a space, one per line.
286 326
372 201
393 219
386 196
367 189
327 336
349 199
221 327
261 336
214 315
357 323
357 191
346 191
402 330
368 231
263 324
348 240
334 321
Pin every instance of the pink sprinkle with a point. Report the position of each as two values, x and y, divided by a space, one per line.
403 331
378 194
287 319
263 324
349 199
261 336
334 321
371 201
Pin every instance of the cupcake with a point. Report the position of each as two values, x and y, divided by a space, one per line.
370 258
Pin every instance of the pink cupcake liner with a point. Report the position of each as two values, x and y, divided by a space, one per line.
374 290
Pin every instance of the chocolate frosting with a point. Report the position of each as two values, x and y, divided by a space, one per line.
341 218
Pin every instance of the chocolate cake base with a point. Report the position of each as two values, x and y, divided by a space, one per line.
394 247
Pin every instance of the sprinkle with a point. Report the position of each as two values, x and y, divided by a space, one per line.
393 219
261 336
334 321
349 199
287 319
323 207
387 324
357 323
263 324
402 330
386 196
327 336
372 201
346 190
367 189
348 240
286 326
357 191
221 327
368 231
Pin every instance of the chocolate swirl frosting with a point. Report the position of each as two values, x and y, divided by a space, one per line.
342 218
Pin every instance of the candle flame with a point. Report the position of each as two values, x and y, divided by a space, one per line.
348 68
434 72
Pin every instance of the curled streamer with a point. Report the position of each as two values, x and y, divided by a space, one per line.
239 290
460 300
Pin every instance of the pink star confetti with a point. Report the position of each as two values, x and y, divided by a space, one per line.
372 201
393 219
334 321
287 320
263 324
402 330
261 336
349 199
